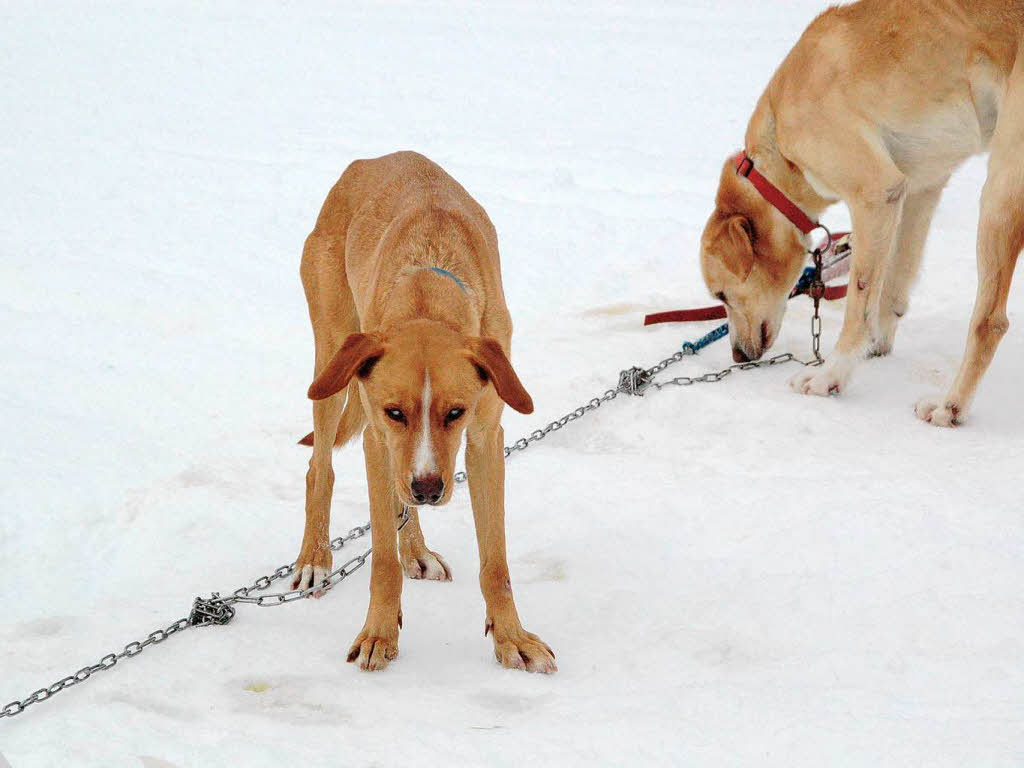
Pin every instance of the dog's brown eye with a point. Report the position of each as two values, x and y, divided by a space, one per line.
453 415
395 414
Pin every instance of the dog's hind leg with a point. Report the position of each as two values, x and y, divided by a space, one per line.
332 312
1000 239
904 266
314 560
353 419
418 562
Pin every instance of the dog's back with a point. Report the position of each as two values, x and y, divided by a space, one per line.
372 215
932 37
380 191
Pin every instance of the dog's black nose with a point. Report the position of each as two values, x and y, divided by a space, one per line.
739 356
427 489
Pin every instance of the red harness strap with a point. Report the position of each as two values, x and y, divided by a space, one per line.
717 312
774 195
833 292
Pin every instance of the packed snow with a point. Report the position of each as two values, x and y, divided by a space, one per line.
730 574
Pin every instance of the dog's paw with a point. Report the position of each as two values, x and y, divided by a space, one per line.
939 412
375 646
822 381
421 563
880 347
883 339
311 568
519 649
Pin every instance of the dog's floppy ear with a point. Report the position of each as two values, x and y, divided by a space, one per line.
357 355
732 242
492 365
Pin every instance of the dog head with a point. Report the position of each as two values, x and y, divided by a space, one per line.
750 257
420 385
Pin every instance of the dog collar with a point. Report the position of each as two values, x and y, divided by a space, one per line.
450 275
774 195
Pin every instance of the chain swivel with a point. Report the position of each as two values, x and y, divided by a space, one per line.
816 290
633 381
210 610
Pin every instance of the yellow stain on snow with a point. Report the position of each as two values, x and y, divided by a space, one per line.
612 310
258 687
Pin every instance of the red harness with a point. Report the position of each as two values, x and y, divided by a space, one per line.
785 206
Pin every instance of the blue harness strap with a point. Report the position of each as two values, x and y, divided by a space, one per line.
708 338
450 275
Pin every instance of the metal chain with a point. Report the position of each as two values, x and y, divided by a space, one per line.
635 381
715 376
107 662
539 434
219 610
339 574
207 611
816 291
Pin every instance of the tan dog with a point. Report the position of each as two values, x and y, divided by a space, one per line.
412 337
876 105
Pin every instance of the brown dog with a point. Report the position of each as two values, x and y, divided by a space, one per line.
412 337
876 105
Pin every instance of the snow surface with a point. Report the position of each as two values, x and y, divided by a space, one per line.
729 574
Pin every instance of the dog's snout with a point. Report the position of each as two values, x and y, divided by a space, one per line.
739 356
427 489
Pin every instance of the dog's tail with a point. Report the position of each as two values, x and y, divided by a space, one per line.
353 419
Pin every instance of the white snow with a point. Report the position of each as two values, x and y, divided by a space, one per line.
730 574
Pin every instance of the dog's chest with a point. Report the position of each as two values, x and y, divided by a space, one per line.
928 152
929 147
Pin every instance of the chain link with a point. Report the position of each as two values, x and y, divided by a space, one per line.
217 610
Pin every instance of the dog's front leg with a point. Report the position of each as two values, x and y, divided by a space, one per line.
514 647
874 189
377 643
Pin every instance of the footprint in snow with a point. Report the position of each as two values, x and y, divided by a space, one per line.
295 700
43 627
504 702
538 567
